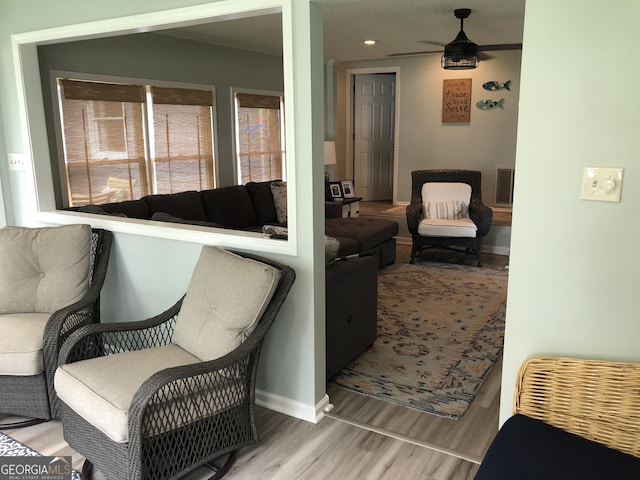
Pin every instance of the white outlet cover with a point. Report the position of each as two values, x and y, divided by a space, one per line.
602 184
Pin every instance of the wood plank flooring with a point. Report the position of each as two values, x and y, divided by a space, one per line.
361 438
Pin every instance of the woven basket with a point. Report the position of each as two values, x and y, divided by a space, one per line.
597 400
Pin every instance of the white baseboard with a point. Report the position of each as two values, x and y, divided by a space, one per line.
293 408
496 250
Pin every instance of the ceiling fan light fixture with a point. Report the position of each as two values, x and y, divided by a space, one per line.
461 53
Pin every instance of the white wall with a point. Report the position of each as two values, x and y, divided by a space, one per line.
575 266
424 141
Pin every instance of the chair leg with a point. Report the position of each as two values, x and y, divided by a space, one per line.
22 424
87 470
221 470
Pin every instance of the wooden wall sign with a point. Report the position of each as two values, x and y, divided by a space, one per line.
456 101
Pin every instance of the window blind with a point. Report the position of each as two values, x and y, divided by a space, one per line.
183 139
103 139
259 144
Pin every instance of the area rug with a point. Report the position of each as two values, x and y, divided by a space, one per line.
440 331
13 448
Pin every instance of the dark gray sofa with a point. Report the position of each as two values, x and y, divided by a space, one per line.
249 207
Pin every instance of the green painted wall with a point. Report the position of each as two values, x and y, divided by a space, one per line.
147 274
575 268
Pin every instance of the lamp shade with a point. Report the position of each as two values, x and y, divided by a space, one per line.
329 152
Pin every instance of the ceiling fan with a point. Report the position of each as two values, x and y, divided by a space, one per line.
461 45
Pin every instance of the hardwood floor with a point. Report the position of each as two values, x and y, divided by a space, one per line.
361 438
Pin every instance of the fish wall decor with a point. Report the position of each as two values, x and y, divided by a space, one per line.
487 104
494 86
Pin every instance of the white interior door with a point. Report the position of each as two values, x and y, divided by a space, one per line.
373 143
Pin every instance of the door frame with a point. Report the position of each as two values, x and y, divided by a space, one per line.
349 81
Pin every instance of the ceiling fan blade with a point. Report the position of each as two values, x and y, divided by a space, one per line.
440 44
408 54
500 46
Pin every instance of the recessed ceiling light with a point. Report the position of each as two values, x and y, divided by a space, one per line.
369 42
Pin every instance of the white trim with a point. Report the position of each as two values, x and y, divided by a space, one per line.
350 74
496 250
33 126
3 216
292 408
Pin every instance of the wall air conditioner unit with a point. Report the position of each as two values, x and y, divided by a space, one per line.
504 186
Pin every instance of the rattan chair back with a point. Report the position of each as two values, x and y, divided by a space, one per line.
598 400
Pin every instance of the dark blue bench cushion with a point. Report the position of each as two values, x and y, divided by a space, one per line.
529 449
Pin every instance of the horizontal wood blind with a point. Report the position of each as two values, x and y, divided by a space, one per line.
250 100
103 141
181 96
259 138
183 145
106 154
106 92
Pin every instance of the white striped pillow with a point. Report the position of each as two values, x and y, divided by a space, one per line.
448 210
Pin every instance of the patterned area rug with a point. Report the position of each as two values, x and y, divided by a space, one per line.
13 448
440 331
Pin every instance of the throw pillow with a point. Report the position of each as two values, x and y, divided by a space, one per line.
331 245
226 297
43 269
279 192
449 210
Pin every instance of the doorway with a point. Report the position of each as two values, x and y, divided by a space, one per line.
372 121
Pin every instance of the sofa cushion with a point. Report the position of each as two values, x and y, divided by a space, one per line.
229 206
187 205
436 227
21 343
529 449
43 269
101 389
130 208
262 198
166 217
368 232
226 297
348 246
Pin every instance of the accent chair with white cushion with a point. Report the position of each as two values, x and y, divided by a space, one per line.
446 212
157 398
50 283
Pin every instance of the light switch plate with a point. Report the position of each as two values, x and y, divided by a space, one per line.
603 184
17 161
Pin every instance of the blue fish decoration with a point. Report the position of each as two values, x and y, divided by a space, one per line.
490 104
494 86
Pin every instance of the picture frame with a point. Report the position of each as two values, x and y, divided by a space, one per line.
347 189
335 190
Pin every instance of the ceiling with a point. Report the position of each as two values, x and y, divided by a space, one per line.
398 26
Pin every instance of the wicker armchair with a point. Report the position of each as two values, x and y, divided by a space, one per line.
573 418
34 396
181 416
480 214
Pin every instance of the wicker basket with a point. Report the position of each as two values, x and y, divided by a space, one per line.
598 400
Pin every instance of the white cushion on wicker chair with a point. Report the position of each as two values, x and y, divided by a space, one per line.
101 389
434 193
226 297
435 227
21 343
43 269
